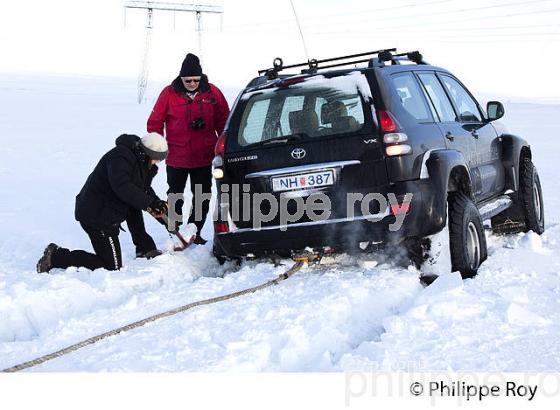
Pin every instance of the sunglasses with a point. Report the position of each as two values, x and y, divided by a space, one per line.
192 80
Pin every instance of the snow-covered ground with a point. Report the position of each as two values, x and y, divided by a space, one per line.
347 313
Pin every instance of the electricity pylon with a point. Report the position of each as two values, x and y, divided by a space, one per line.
150 6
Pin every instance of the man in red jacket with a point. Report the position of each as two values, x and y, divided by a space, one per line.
193 114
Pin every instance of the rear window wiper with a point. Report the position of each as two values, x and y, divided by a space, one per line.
284 139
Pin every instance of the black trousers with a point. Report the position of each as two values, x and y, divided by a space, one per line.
140 238
177 181
106 246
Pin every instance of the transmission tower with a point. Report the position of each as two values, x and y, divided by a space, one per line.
150 6
143 74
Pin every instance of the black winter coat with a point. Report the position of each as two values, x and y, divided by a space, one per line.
119 183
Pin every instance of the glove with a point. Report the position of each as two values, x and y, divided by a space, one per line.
158 208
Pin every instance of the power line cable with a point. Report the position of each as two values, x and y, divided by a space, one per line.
447 12
430 14
459 37
471 28
322 17
345 29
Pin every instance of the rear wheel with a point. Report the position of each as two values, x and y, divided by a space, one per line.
459 246
219 257
467 242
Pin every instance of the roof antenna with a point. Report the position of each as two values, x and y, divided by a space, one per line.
300 32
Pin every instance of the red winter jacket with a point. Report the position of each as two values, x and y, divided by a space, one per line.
175 112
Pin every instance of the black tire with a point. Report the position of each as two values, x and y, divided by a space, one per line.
530 195
220 258
527 212
467 241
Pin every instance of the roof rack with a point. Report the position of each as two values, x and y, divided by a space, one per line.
313 64
396 59
383 56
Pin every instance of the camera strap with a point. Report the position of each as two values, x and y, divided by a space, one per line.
192 98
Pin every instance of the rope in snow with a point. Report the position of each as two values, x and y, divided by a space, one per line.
40 360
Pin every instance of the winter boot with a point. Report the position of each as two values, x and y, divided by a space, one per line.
149 255
153 254
45 263
199 240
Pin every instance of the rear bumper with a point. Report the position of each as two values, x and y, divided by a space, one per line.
345 233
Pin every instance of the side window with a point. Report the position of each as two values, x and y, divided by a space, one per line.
411 97
255 122
437 97
468 109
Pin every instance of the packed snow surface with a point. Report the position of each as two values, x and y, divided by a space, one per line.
348 313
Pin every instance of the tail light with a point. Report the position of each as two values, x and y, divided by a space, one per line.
387 122
396 150
220 145
394 140
221 227
218 162
218 165
395 137
218 173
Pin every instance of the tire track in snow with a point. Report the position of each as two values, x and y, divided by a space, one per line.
505 319
321 319
306 323
160 288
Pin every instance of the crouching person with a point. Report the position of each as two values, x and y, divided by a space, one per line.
117 190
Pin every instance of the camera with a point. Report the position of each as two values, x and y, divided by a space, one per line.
198 124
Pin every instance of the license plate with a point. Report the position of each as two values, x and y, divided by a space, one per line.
311 180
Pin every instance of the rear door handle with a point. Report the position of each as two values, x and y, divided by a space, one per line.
449 136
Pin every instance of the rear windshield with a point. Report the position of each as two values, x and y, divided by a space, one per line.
313 108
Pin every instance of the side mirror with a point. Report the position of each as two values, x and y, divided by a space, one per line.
495 110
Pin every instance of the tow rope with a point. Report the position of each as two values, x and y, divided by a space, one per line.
40 360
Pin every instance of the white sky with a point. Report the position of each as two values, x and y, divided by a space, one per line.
507 47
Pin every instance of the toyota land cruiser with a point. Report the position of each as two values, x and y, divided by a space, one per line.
396 127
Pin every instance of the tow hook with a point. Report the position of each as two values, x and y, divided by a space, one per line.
309 257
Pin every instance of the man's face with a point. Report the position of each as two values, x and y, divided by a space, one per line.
191 83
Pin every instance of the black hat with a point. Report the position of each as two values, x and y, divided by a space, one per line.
191 66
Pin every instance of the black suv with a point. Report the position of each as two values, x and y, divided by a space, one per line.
397 127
